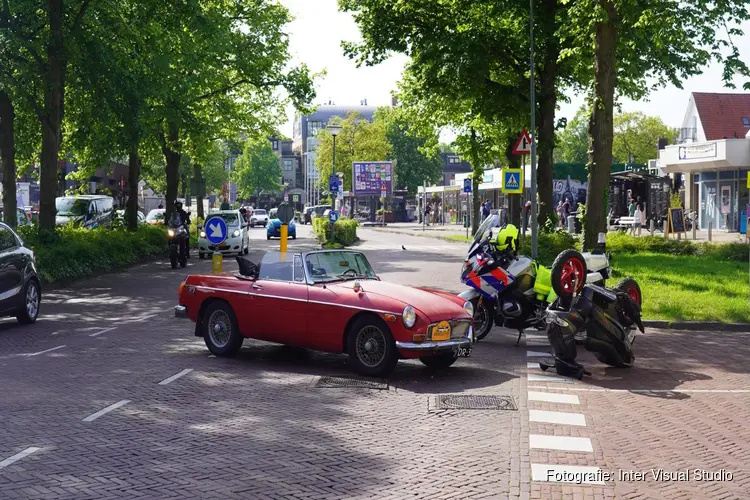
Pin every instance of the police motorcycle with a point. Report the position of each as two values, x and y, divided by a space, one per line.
608 318
514 291
179 237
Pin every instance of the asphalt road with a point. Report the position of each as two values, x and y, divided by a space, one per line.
109 396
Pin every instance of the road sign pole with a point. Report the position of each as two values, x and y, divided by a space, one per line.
284 232
532 92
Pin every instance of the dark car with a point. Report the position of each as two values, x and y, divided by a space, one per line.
20 291
307 215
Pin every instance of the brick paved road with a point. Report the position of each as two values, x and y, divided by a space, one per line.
252 427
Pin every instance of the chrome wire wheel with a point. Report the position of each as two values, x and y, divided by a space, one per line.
371 346
219 328
32 300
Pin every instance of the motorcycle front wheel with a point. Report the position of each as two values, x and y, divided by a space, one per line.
483 319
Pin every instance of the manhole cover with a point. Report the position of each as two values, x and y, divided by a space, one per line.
451 402
350 382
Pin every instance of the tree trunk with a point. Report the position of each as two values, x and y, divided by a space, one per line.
134 175
514 200
52 115
547 104
601 126
172 158
198 179
476 179
8 158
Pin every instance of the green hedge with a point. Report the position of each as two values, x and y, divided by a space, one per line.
71 253
624 243
346 232
549 245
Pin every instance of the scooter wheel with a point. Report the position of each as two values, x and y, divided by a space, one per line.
543 367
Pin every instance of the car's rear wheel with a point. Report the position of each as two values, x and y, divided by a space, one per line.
201 255
439 361
220 330
268 236
372 350
32 298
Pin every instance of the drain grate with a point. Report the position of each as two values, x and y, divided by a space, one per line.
350 383
453 402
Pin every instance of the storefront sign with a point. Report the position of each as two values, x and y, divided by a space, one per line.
697 152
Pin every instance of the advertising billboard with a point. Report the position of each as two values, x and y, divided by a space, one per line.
372 178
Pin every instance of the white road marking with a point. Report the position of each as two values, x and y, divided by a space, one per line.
537 354
576 474
560 443
533 366
648 391
551 397
102 331
549 378
557 417
536 336
43 352
175 376
211 356
106 410
537 342
18 456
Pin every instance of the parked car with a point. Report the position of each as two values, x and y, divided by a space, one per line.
156 216
238 239
320 211
328 300
20 289
259 217
87 211
120 214
23 217
273 228
307 215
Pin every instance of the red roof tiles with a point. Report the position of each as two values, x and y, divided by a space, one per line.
721 114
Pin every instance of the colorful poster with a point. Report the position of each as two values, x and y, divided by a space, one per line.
372 178
726 199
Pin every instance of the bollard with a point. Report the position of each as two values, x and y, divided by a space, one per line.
709 230
217 263
284 234
694 228
653 227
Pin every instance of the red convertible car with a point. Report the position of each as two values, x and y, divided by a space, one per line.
328 300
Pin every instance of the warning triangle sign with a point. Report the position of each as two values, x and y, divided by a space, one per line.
512 182
523 146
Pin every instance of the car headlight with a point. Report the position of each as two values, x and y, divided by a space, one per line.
409 316
469 308
170 232
236 233
203 234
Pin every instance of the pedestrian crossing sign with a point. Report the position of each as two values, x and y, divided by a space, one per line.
512 181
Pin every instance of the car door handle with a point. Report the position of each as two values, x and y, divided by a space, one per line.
257 287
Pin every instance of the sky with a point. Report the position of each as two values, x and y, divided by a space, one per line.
315 38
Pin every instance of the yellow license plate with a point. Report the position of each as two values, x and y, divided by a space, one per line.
441 331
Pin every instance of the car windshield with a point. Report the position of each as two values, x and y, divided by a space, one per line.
487 225
155 215
333 266
75 207
231 219
259 212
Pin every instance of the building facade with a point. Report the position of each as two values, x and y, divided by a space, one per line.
712 157
453 164
292 178
305 143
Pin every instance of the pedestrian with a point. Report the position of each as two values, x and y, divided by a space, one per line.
631 208
427 210
161 206
638 219
485 210
566 210
559 211
225 205
527 210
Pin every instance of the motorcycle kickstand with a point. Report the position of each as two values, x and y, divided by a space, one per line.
518 341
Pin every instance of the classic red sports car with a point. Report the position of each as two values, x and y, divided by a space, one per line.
328 300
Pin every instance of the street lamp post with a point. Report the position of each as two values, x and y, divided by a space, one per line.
334 130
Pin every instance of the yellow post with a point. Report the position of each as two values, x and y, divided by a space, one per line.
284 236
217 263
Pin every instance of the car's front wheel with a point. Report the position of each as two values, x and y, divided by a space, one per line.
201 255
372 350
439 361
220 330
32 298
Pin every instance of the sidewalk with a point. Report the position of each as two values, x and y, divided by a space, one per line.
446 231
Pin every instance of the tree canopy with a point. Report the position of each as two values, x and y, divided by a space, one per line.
258 169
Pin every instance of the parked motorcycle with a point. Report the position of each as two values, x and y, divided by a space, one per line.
608 318
178 243
513 290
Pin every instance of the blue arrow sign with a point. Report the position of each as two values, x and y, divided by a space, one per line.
333 183
467 185
333 216
216 230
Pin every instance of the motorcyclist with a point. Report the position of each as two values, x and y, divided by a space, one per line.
181 217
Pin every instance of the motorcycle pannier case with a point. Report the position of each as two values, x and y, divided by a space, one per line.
543 284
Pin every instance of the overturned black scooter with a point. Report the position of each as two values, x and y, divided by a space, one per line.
608 318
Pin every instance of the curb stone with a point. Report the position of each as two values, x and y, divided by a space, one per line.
696 325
